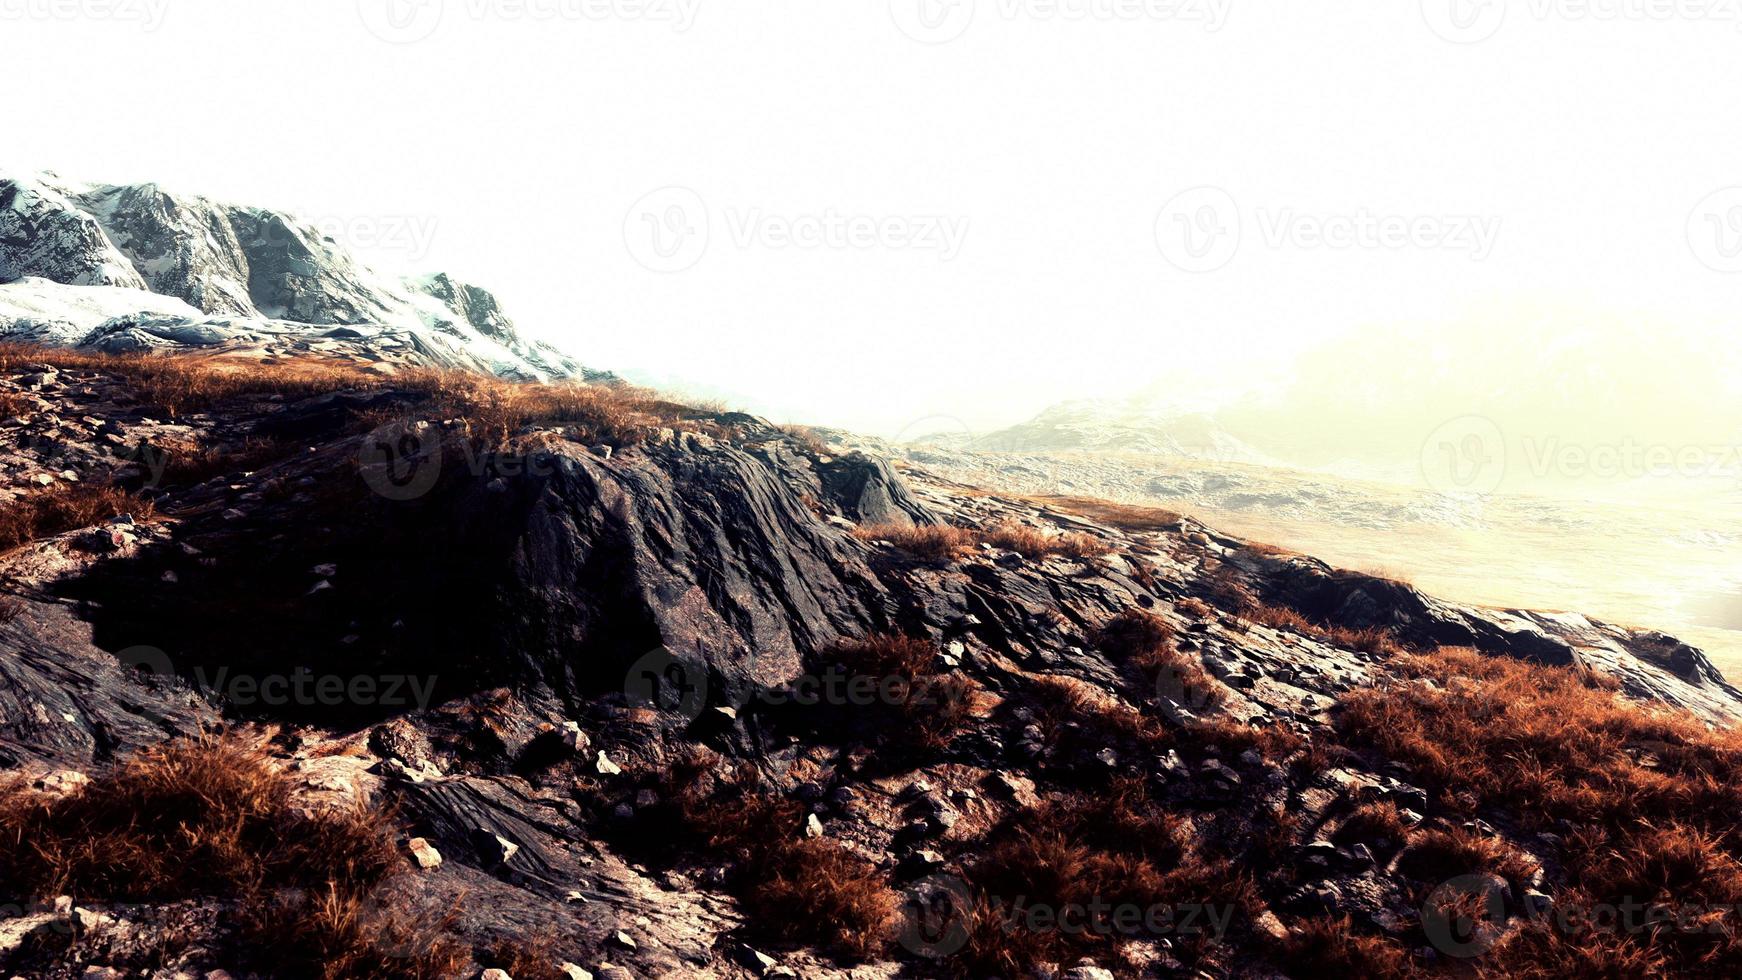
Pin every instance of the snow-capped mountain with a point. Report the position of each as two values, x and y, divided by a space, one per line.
1109 425
133 267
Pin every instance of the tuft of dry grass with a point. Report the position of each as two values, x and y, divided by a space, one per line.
1379 822
793 888
1370 640
1143 642
64 507
807 438
1439 855
941 542
1126 517
1113 848
1327 947
1194 607
1034 543
337 934
933 542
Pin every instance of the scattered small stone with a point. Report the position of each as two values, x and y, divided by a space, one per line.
63 781
623 939
424 853
574 738
813 826
494 848
605 766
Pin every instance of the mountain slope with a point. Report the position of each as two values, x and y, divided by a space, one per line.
243 273
602 658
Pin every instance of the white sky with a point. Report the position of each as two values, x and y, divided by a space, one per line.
516 145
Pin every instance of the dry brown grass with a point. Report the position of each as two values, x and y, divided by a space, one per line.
215 819
1380 823
183 383
1326 947
1644 802
1143 642
337 934
793 888
1371 640
496 409
1115 847
934 542
941 542
1034 543
1194 607
13 404
1440 855
536 957
929 707
182 820
1126 517
807 438
1080 719
64 507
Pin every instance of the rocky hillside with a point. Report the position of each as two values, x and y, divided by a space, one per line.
456 677
136 267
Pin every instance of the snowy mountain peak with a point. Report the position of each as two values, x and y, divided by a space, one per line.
93 266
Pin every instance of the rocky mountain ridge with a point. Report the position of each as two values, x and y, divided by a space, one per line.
136 267
585 636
